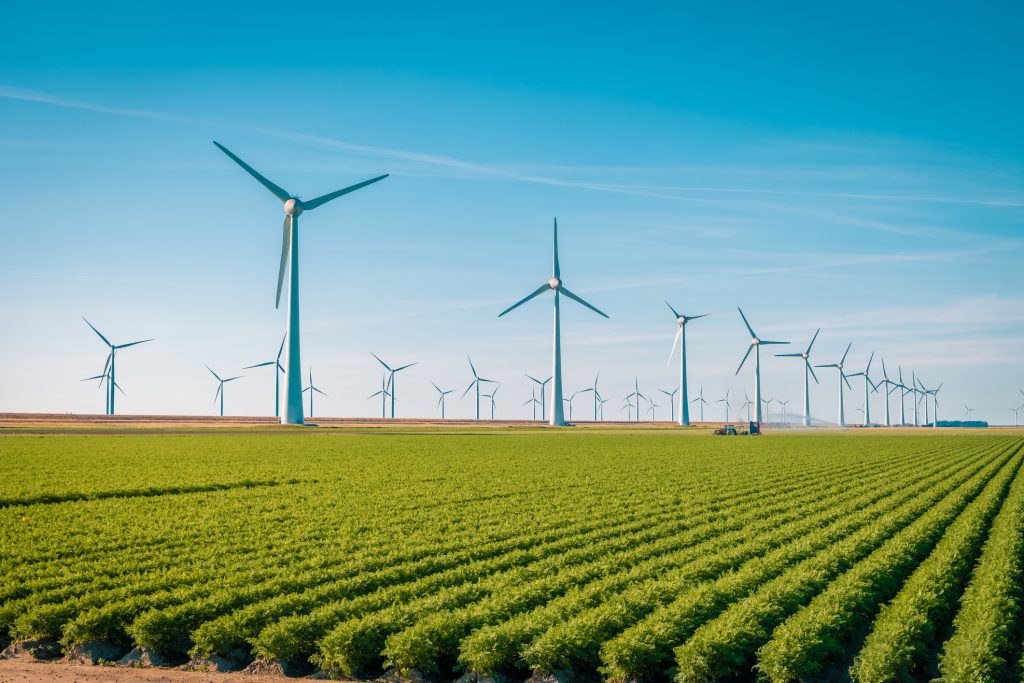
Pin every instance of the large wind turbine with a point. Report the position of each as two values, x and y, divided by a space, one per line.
556 286
391 378
808 373
477 379
278 371
220 388
312 389
755 346
842 378
868 386
441 396
293 208
684 399
108 367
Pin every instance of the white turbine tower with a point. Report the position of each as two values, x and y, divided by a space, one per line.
681 320
293 208
477 379
220 388
441 393
391 378
755 345
541 385
278 371
556 286
313 389
890 387
808 374
904 390
108 367
842 378
868 386
701 402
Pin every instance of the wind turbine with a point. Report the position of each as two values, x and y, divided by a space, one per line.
312 389
934 393
684 404
391 379
601 407
597 394
384 393
293 208
1016 414
842 378
904 390
672 404
868 384
278 370
767 405
441 393
636 394
108 367
542 392
629 410
890 387
573 396
967 413
220 388
808 373
701 402
755 346
533 402
476 383
490 396
556 286
726 402
746 404
784 404
651 409
105 377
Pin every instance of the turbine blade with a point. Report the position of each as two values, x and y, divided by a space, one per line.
286 243
579 300
213 373
217 395
471 365
745 356
557 270
404 367
694 317
281 349
537 292
468 388
118 387
124 346
533 378
789 355
105 340
773 342
749 328
843 360
675 342
323 199
811 368
274 189
847 381
808 351
319 392
386 366
259 365
870 358
674 311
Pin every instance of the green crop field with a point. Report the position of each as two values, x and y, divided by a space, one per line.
640 556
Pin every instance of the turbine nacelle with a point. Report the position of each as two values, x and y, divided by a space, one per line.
554 283
293 207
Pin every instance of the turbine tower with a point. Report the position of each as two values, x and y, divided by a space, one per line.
726 402
278 371
672 405
890 387
808 373
533 402
597 394
293 208
755 346
105 377
312 389
220 388
556 286
636 394
384 394
684 402
701 402
477 379
490 397
842 378
868 386
391 378
440 398
108 367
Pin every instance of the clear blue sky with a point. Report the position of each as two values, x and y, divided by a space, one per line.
857 168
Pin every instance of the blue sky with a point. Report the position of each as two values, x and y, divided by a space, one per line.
857 169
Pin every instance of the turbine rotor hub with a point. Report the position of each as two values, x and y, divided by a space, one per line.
755 341
681 320
554 283
293 207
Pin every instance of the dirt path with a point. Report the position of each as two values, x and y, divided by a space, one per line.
22 670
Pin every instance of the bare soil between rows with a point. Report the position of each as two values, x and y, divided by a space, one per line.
27 670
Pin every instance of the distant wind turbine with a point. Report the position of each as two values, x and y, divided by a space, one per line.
890 387
490 397
312 389
842 378
746 404
597 394
555 285
637 395
293 208
220 388
541 385
684 399
533 402
278 371
105 377
108 367
441 393
726 402
967 413
477 379
755 345
808 374
784 404
651 408
672 404
384 394
701 402
573 396
868 387
1016 414
391 379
